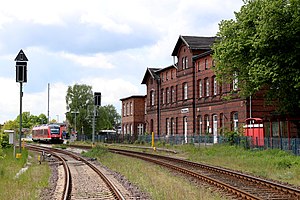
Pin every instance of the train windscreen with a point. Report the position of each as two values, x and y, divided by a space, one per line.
54 129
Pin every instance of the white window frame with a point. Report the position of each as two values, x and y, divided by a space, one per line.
140 128
186 62
131 129
207 87
207 123
185 91
205 64
185 128
131 108
168 95
235 118
200 89
152 97
215 85
168 126
200 125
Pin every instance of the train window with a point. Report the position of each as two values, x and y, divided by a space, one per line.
54 129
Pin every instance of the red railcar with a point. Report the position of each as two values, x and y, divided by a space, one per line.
47 133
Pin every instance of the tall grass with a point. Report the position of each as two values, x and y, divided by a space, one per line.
28 184
272 163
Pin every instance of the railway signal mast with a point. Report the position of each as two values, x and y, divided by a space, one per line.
97 102
21 77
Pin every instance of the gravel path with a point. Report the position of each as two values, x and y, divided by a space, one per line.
129 190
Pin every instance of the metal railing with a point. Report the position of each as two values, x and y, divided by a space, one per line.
287 144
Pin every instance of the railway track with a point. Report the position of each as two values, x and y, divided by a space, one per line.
82 180
240 185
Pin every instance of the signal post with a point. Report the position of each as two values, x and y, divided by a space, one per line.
21 77
97 102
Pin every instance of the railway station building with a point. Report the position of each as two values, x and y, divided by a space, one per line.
185 99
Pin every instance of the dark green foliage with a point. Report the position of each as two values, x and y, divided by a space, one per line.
262 46
232 137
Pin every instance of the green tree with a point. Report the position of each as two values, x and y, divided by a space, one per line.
42 119
26 120
262 48
79 101
108 117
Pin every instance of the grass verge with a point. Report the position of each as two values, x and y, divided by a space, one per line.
28 184
271 163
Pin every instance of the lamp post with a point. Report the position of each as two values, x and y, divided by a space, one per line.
75 112
21 77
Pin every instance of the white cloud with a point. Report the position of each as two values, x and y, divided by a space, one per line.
10 99
106 23
112 90
92 41
94 61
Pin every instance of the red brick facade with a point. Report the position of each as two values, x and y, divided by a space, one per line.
186 99
133 115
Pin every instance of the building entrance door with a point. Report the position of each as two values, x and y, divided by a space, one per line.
215 128
185 129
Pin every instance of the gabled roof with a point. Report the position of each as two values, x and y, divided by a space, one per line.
152 73
165 68
194 43
206 53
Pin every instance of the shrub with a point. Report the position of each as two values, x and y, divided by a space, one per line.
232 137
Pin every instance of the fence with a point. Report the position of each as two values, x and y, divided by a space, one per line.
287 144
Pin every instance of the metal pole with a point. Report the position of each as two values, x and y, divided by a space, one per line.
21 94
48 102
250 107
93 135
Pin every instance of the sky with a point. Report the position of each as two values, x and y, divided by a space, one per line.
105 44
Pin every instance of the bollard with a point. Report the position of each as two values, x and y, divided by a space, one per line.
39 158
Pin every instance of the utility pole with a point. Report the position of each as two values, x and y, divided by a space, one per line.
48 103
